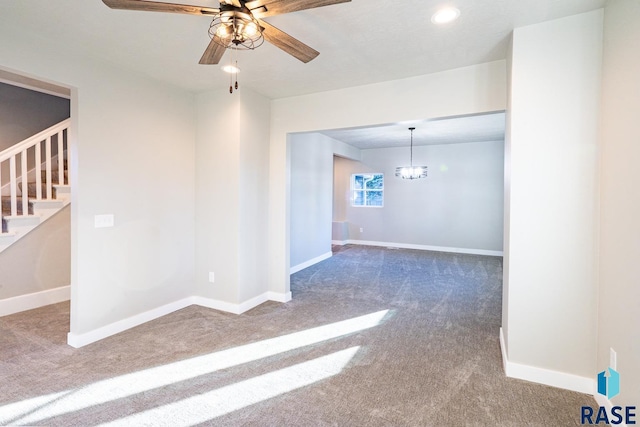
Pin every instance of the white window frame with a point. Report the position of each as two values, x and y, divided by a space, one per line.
364 190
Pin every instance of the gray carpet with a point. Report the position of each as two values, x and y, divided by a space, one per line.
413 341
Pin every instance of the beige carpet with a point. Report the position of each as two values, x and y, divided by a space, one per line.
373 337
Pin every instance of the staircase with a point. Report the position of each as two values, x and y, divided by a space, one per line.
34 182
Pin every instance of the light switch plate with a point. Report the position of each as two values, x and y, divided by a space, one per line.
103 221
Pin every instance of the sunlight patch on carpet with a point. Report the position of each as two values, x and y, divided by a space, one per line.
36 410
207 406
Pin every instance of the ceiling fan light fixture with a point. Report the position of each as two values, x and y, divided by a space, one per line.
236 29
445 15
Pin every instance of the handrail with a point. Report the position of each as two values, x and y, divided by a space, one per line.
20 152
33 140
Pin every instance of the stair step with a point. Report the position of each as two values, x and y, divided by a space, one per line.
7 238
33 204
15 223
46 204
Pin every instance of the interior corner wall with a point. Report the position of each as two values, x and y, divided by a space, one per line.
255 115
231 195
619 296
458 207
132 155
217 195
554 114
469 90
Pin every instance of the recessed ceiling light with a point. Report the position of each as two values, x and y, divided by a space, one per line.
231 69
446 15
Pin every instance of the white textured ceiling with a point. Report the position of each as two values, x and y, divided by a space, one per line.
361 42
451 130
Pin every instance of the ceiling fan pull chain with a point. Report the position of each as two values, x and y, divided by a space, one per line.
230 74
237 75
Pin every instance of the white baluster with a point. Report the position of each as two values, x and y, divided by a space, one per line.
13 185
38 170
60 160
25 183
47 149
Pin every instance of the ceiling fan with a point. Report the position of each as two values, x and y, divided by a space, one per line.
238 24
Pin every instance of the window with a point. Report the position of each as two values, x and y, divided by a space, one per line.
367 189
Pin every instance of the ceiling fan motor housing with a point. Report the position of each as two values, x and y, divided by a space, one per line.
235 27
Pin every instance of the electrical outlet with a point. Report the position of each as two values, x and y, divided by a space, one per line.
361 230
613 359
212 277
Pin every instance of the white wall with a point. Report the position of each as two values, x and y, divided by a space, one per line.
255 115
469 90
554 113
311 197
232 195
507 202
217 197
619 302
458 206
132 151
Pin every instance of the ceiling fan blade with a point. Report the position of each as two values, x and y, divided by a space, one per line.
212 54
278 7
154 6
287 43
253 4
235 3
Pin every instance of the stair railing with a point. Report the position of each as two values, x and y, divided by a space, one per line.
20 152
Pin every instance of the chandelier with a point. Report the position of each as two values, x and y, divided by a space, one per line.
236 28
411 172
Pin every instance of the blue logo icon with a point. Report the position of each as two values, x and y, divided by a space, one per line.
609 385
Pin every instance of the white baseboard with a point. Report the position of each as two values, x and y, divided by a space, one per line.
503 349
545 376
216 304
35 300
80 340
243 306
309 263
339 242
230 307
279 297
425 247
